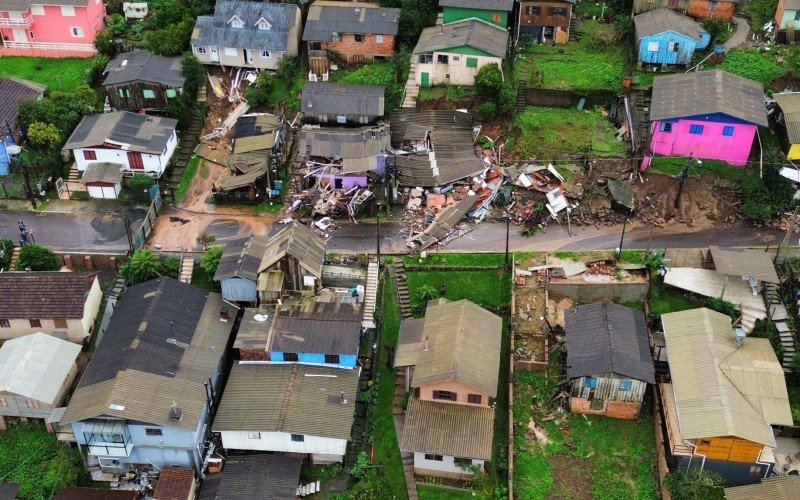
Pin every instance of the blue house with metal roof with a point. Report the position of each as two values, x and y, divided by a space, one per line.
666 37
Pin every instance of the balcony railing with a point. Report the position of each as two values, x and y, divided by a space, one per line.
25 22
317 53
82 47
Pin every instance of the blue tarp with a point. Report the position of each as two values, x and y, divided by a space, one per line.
3 159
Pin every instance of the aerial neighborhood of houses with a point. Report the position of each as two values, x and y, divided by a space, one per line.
399 249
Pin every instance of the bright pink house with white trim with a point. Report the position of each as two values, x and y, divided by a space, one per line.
50 28
706 114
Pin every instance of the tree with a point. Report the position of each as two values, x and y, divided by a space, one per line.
487 111
36 258
205 239
697 484
117 24
171 40
423 294
210 260
6 249
794 364
489 80
140 183
43 136
143 266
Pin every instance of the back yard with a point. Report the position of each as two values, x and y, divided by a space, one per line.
57 74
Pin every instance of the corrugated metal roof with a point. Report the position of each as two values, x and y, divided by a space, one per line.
409 342
507 5
241 258
663 20
299 242
359 146
326 18
328 328
35 366
102 172
294 398
737 262
708 371
242 180
791 4
608 338
470 33
444 222
448 429
215 30
328 98
142 133
789 102
770 488
259 477
141 65
463 345
707 92
256 132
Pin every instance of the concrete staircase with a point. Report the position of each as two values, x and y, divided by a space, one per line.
522 100
370 296
403 297
573 30
14 258
187 267
750 314
174 171
408 471
412 89
779 315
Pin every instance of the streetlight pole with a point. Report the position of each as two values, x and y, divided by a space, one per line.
682 176
378 235
508 219
622 237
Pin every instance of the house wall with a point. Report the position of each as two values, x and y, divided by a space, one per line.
446 468
348 181
22 326
640 6
311 358
137 101
50 34
613 409
153 164
91 307
239 290
707 9
496 17
455 72
17 406
608 388
282 442
663 54
534 24
711 144
734 473
333 119
358 52
293 274
462 391
730 448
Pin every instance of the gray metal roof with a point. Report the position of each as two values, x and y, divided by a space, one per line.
738 262
102 172
789 102
662 20
299 242
260 477
791 4
471 33
605 338
142 133
215 30
35 366
444 222
141 65
770 488
706 92
293 398
14 92
241 258
326 18
329 328
479 4
357 148
326 98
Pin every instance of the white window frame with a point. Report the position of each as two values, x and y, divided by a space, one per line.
341 119
235 22
76 31
67 11
378 38
265 54
145 96
253 435
230 51
199 49
263 25
37 10
652 46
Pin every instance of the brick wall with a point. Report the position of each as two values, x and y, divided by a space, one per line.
348 47
702 9
91 262
613 409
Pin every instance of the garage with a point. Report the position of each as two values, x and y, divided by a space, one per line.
103 180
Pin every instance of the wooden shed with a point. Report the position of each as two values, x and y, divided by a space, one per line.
103 180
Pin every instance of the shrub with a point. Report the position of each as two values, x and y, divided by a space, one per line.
719 29
143 266
43 136
169 266
487 111
489 80
210 260
507 101
37 258
768 197
117 25
761 12
794 364
172 40
140 183
95 72
695 484
722 306
104 42
6 249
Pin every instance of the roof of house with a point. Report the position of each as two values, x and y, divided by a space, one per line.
444 222
102 172
142 66
789 103
448 429
791 4
463 345
770 488
722 389
608 338
663 20
738 262
255 132
358 148
80 493
697 93
298 241
44 294
326 18
409 342
241 258
260 477
328 328
479 4
14 92
215 30
164 341
327 98
36 365
174 483
242 180
472 32
293 398
142 133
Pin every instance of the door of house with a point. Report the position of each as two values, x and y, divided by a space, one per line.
135 160
426 80
214 54
19 35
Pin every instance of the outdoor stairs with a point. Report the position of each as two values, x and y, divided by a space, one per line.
117 288
522 100
411 90
402 290
779 316
399 392
74 174
14 257
411 483
370 296
172 175
573 30
187 267
749 316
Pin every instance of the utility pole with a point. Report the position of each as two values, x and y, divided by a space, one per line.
682 176
622 237
508 219
378 235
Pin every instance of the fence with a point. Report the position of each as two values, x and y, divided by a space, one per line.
137 239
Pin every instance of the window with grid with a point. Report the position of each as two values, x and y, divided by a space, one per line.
89 155
495 17
359 38
290 356
557 11
153 432
533 10
727 130
590 383
265 54
696 129
253 435
474 399
135 160
200 49
445 395
625 385
35 323
378 38
442 59
4 323
435 458
472 62
171 93
665 127
76 31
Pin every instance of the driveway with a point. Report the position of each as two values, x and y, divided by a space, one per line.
740 35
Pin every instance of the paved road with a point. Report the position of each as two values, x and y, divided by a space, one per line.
740 35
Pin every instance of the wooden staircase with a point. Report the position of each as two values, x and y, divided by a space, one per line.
370 296
402 290
187 268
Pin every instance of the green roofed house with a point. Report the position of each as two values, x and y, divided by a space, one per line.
452 53
492 11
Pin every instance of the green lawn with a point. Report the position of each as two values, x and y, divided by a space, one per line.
548 133
751 63
664 299
457 259
57 74
450 92
186 178
673 165
431 492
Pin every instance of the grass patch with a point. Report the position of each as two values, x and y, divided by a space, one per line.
266 208
13 185
632 256
672 165
457 259
431 492
566 255
488 289
755 65
369 74
186 178
636 305
38 462
201 279
553 132
57 74
449 92
665 300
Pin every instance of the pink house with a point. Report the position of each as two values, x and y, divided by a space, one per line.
706 114
55 28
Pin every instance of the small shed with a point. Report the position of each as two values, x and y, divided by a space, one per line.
103 180
270 287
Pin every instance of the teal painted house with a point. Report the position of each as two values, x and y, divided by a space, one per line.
787 21
496 12
664 37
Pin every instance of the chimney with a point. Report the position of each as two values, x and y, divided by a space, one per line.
175 412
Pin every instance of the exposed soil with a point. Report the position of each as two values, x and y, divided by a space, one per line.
786 82
529 340
572 478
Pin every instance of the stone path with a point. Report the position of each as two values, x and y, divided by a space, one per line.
740 35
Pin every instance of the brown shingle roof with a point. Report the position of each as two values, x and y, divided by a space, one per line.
474 33
76 493
14 92
448 429
174 483
771 488
44 294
